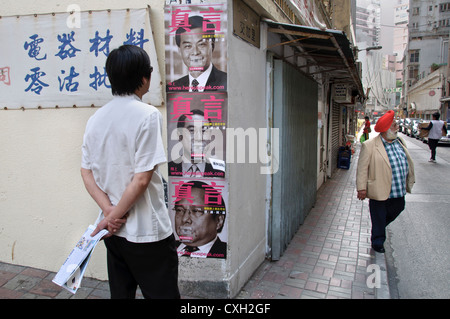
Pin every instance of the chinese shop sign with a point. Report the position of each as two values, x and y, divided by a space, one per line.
246 23
48 61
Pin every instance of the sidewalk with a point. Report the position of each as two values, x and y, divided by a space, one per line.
330 254
328 257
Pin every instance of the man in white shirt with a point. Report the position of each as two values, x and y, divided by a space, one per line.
436 129
121 150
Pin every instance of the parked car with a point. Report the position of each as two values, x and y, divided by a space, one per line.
446 139
415 129
409 123
401 124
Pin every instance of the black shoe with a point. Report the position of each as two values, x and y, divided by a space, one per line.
378 249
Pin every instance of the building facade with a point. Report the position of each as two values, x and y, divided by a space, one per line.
427 52
368 22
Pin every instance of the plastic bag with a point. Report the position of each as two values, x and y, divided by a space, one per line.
362 139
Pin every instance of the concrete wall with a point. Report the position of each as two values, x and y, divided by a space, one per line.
419 93
43 204
45 208
247 109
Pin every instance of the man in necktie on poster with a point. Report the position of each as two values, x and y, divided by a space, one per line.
196 47
197 222
194 134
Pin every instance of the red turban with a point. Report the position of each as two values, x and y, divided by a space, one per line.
385 122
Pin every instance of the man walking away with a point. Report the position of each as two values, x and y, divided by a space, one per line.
436 128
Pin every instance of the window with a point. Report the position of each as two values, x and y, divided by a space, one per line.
414 72
414 57
443 7
416 11
444 23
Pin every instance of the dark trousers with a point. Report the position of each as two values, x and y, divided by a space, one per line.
382 213
152 266
432 144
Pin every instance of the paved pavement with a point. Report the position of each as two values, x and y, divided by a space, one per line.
329 257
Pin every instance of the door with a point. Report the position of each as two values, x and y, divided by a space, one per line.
294 184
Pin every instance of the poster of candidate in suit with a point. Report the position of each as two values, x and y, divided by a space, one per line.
197 113
197 134
196 48
198 209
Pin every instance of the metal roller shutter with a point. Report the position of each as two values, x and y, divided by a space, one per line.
295 184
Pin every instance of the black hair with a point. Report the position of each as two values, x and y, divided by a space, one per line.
126 66
436 115
196 22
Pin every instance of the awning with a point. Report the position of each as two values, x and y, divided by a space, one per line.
329 51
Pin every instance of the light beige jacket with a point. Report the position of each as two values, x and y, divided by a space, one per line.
374 173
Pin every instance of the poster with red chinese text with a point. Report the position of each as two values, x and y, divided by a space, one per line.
198 210
197 113
196 48
197 134
58 60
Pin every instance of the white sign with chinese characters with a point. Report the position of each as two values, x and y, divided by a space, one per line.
58 60
342 93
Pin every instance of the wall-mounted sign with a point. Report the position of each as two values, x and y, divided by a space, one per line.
342 93
48 60
246 23
392 90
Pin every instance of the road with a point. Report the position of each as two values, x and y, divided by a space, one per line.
417 249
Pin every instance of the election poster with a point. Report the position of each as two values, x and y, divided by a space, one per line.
197 134
58 59
196 48
197 113
198 210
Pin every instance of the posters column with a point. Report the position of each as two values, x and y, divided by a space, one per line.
197 106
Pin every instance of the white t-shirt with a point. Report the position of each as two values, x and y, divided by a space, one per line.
121 139
436 130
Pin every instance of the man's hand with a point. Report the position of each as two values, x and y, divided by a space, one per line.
116 216
112 225
362 194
